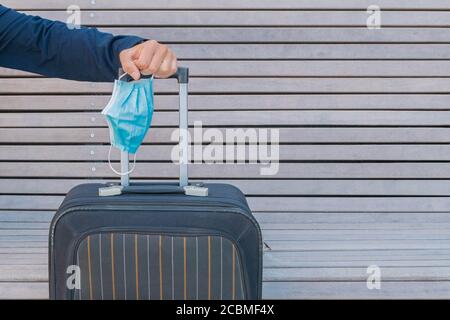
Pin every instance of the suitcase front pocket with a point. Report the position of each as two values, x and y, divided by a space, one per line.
139 266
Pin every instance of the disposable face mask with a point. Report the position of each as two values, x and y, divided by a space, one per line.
129 115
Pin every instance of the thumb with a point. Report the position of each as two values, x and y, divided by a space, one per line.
128 65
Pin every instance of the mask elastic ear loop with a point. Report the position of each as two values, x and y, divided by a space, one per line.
118 172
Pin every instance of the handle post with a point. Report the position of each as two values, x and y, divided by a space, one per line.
182 75
183 139
124 167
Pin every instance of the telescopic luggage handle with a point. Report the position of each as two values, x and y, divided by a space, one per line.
182 76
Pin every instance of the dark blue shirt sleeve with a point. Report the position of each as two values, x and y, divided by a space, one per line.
50 48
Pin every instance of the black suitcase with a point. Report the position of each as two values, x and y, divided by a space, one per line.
153 241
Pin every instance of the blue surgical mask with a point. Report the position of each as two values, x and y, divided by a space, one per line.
129 113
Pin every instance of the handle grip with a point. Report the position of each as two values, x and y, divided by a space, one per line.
153 189
182 75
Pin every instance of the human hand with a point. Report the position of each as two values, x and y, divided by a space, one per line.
150 57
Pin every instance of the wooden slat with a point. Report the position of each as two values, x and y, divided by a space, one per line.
270 221
280 290
300 259
286 153
24 250
237 171
296 226
364 263
237 102
31 273
292 245
39 273
268 68
356 290
73 135
13 233
25 216
400 235
387 226
240 85
23 225
287 135
249 18
260 187
355 258
11 259
32 202
319 235
22 244
319 204
312 51
24 290
287 35
333 204
355 220
355 274
240 118
230 4
303 259
286 290
396 236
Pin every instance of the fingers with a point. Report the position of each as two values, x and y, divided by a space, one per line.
158 59
128 64
146 54
147 58
168 66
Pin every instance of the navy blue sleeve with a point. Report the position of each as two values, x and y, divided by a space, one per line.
50 48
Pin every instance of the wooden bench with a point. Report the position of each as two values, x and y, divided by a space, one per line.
364 126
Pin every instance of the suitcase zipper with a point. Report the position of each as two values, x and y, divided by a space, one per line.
135 208
184 202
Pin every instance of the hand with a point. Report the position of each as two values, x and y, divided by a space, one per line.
149 57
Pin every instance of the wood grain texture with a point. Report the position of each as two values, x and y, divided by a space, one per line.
356 290
286 290
238 85
287 35
275 68
236 171
248 18
240 119
268 204
363 118
310 135
304 187
288 153
237 102
229 4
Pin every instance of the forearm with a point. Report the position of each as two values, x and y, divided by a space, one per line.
50 48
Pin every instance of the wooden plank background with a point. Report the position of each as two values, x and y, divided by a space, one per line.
364 120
